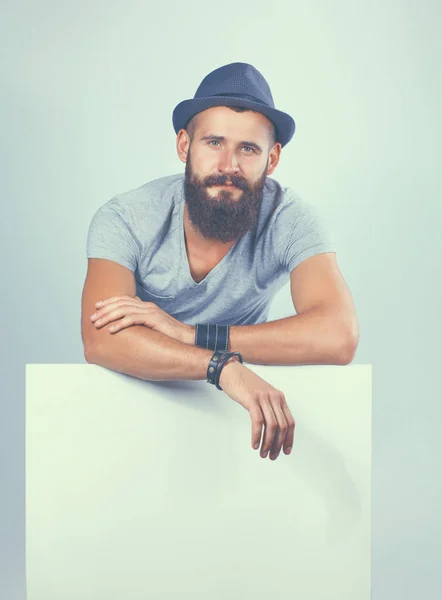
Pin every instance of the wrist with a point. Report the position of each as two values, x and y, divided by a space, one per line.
231 366
188 335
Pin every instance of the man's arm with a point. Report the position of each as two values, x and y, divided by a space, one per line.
148 354
324 330
137 351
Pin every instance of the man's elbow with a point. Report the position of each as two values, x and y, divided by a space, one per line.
349 344
88 355
91 353
93 345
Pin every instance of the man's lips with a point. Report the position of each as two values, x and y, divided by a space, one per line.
230 185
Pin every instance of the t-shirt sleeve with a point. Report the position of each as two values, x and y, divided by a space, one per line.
301 232
111 237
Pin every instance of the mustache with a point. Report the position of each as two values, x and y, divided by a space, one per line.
225 180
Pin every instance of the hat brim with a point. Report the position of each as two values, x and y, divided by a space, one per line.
184 111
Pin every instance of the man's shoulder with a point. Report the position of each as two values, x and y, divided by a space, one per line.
152 192
283 201
143 207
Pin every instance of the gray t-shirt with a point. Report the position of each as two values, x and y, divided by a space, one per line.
143 230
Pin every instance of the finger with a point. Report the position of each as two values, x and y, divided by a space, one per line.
112 299
111 306
135 318
288 441
131 303
270 426
124 307
119 325
120 302
128 322
282 427
257 423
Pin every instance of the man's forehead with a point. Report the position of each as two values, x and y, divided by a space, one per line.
247 122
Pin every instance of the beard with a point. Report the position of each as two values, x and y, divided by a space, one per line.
222 217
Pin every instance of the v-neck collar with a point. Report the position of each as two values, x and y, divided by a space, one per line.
184 257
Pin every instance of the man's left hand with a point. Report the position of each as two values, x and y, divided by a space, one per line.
128 310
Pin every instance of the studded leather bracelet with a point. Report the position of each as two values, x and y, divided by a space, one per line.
216 364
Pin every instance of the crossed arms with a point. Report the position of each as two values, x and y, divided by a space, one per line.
324 330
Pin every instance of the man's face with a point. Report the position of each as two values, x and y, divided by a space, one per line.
227 148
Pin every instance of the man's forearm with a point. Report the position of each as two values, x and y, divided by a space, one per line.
148 354
319 336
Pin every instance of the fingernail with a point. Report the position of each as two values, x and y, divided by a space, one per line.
273 456
99 303
265 454
289 450
256 446
93 316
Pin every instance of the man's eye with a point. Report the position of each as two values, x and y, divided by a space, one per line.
250 148
214 142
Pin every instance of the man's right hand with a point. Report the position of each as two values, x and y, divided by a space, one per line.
266 405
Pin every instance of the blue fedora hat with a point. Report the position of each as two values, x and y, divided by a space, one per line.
236 84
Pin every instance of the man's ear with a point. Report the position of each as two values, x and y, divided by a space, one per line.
182 145
275 155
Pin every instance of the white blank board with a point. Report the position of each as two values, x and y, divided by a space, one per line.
138 489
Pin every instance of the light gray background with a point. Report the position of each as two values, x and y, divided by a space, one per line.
87 97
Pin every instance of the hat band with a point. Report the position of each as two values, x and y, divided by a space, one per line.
242 96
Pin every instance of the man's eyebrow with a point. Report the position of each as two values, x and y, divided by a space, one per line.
221 138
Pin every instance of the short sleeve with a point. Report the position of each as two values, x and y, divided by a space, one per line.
111 237
301 233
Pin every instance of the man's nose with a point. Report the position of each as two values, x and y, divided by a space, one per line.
228 162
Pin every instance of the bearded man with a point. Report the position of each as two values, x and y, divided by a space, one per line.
182 270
